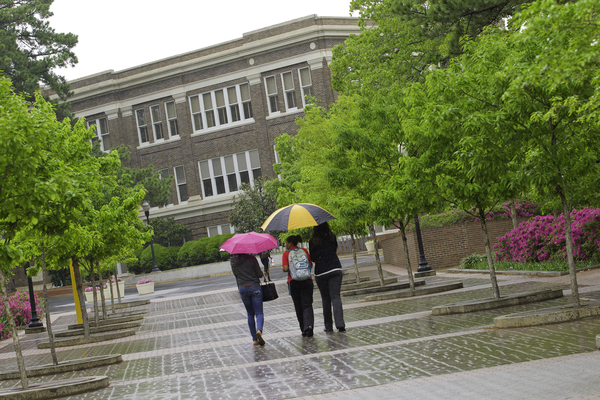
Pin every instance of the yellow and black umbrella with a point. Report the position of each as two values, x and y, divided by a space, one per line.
296 216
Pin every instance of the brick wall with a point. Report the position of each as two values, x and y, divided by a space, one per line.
444 247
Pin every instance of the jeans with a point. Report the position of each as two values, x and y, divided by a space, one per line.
302 295
330 286
253 301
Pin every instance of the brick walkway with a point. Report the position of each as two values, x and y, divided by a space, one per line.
197 346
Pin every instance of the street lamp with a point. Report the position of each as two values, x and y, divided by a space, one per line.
423 265
146 208
35 320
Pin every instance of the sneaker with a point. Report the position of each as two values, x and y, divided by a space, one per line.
255 342
261 341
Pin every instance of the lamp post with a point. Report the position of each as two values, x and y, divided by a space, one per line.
146 208
35 320
423 265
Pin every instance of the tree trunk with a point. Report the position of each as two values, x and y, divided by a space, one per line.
95 292
79 288
117 285
513 214
13 329
377 260
488 253
47 307
569 245
354 256
101 292
112 297
411 278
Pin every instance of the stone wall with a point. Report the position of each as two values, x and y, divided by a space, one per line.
444 247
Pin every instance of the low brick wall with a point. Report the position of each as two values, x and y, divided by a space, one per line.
444 247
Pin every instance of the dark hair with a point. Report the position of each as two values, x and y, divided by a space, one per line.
322 234
294 239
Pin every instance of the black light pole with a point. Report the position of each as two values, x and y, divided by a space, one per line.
146 208
35 320
423 265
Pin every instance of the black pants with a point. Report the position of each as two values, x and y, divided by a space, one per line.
330 286
265 263
302 295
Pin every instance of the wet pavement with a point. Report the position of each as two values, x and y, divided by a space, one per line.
194 344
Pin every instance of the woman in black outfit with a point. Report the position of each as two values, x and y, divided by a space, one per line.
328 274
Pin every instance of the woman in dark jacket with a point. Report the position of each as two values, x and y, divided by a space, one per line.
248 274
328 274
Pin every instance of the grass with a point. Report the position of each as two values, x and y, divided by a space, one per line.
529 266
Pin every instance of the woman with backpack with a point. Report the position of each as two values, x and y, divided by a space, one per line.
247 273
297 263
328 273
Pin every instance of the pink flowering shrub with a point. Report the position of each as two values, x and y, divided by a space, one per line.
543 238
20 308
143 281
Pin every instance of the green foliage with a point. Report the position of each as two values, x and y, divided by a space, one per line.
169 233
203 251
133 261
553 265
473 259
31 50
252 206
166 258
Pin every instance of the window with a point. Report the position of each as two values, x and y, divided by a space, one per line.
305 83
164 174
219 230
208 110
233 104
288 88
223 175
245 91
172 119
272 94
157 123
221 107
182 192
196 112
101 125
140 116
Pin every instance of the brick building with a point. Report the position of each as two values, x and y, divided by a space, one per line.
209 117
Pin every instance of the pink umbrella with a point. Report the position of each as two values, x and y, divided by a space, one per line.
249 243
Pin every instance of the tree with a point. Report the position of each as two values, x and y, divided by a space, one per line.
32 50
169 233
252 206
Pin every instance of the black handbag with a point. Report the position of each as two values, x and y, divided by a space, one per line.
269 291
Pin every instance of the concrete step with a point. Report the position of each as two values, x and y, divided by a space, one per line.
368 284
403 293
378 289
109 321
102 328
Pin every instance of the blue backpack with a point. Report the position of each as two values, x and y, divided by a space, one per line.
300 267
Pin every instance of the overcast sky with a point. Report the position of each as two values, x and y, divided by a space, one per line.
119 34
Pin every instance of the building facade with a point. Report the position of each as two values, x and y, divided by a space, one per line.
209 117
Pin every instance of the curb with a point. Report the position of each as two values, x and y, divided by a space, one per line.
100 329
377 289
65 366
512 272
491 302
128 304
367 284
548 316
55 389
398 294
84 340
109 321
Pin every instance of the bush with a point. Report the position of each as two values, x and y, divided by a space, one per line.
20 308
472 260
543 238
164 258
133 264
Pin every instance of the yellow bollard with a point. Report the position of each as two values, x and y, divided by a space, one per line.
75 296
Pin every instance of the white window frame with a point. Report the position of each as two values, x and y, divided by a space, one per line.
303 86
244 102
171 119
201 113
140 127
219 229
177 184
157 123
238 173
289 90
99 134
269 95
